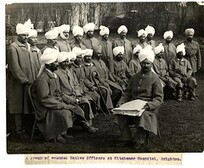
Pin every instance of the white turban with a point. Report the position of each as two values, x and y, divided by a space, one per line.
168 34
190 31
89 52
77 31
29 24
33 33
49 56
141 32
150 29
104 30
51 34
158 49
181 48
146 53
89 27
148 47
71 55
22 29
78 51
122 28
117 50
63 28
138 48
62 56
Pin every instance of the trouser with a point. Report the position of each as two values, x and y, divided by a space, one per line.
18 122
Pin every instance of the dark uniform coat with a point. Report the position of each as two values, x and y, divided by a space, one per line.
127 46
107 53
70 86
90 43
20 72
52 114
63 45
193 55
134 66
145 87
169 52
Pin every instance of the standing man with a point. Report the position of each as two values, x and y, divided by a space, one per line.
193 54
142 34
150 34
181 71
145 86
169 47
51 37
35 52
134 64
121 73
78 33
20 77
89 40
63 42
123 41
107 47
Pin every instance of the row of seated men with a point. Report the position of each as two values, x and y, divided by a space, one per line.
86 82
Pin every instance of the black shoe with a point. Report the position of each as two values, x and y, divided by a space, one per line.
92 130
67 137
128 143
60 139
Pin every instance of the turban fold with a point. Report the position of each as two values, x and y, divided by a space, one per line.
51 34
22 29
181 48
62 56
141 32
168 34
146 54
33 33
158 49
71 55
189 31
117 50
49 56
104 30
89 27
77 31
78 51
122 28
29 24
89 52
138 48
150 30
63 28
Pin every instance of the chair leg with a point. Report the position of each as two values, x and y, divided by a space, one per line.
158 132
147 138
33 130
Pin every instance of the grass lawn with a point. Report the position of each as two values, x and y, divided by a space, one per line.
181 127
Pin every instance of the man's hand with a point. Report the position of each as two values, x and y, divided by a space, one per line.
146 107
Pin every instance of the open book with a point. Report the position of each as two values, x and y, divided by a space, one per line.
131 108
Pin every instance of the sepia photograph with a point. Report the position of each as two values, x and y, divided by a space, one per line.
104 77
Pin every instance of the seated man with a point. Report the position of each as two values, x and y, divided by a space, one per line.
121 72
78 69
54 115
180 70
106 77
161 69
145 86
70 86
93 81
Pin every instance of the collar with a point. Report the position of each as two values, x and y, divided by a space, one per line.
88 64
19 43
50 73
